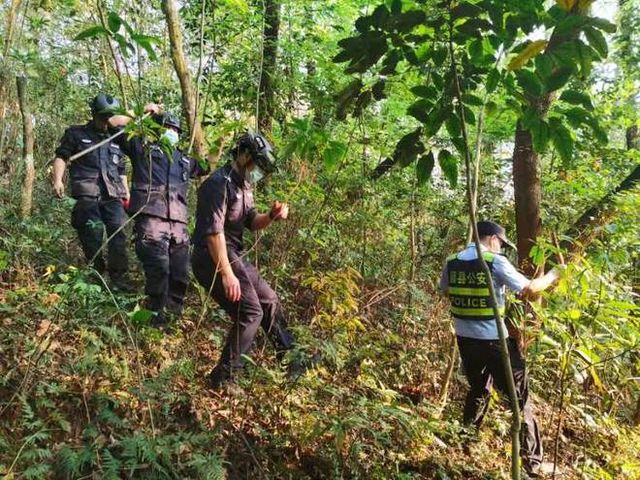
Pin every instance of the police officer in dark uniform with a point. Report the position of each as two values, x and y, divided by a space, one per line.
225 208
99 184
159 188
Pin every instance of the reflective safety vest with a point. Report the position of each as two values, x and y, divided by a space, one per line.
469 288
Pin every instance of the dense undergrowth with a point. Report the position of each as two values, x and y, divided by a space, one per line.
88 390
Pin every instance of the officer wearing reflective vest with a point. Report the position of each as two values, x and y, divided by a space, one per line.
467 287
225 208
159 189
98 183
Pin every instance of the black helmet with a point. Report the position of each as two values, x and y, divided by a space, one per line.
260 149
104 105
167 119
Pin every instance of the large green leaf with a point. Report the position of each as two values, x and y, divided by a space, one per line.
91 32
597 41
575 97
408 148
539 135
562 139
449 166
492 80
420 110
424 168
332 154
529 82
558 79
602 24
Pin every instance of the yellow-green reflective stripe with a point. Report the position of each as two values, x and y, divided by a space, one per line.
475 312
472 292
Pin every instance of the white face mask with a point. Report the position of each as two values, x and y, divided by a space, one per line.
171 137
254 176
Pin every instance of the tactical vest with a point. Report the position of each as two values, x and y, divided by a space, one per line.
96 174
469 288
160 189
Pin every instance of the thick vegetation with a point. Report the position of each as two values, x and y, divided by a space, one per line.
360 99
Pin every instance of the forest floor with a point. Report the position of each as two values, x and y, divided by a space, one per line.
88 390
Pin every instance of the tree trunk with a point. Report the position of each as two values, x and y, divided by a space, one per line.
526 186
27 149
266 97
180 64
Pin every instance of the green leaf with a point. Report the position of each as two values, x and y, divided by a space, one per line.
333 154
577 98
492 80
562 139
420 110
449 166
570 24
586 55
453 125
577 116
424 91
141 317
470 99
558 79
378 90
540 135
602 24
597 41
529 82
424 168
408 148
544 66
114 22
405 22
91 32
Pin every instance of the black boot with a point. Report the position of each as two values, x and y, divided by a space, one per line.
219 377
299 366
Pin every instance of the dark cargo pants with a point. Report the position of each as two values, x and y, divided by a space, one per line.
89 217
483 368
163 249
259 306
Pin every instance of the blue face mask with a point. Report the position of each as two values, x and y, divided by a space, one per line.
254 176
171 137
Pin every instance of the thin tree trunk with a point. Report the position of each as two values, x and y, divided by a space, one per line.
27 149
116 64
180 64
10 26
504 349
5 75
266 99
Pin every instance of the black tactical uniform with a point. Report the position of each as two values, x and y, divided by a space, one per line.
159 203
96 185
226 205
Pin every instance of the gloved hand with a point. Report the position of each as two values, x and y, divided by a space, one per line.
125 203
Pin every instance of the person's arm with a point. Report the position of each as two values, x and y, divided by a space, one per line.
538 285
279 211
59 166
121 120
507 274
217 247
67 147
